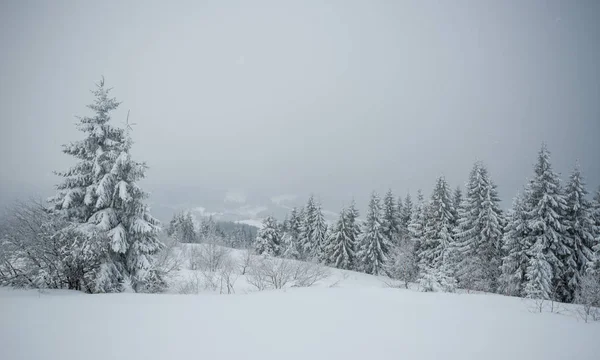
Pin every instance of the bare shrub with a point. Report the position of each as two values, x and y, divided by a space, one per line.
403 264
247 261
169 259
227 275
276 273
588 298
207 257
307 274
191 285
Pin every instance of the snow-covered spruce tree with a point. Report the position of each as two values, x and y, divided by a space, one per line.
515 245
374 245
580 231
391 219
405 216
100 194
477 247
416 226
182 228
340 251
313 231
457 199
291 239
354 224
435 266
539 274
594 265
545 209
268 239
306 244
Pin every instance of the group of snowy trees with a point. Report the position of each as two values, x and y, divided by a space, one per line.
546 247
184 228
96 234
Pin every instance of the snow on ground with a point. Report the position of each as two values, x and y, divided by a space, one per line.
347 316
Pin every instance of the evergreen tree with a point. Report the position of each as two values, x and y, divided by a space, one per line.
374 245
354 233
545 208
515 246
478 235
340 252
416 226
314 230
182 228
437 236
391 219
292 235
594 266
268 239
100 193
457 198
580 231
434 259
405 217
538 274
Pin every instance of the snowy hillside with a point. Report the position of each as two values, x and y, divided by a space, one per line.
347 315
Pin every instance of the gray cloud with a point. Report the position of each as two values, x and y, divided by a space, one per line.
337 99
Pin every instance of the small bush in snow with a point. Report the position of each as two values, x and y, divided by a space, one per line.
275 273
588 297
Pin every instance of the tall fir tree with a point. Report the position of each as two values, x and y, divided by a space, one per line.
100 193
457 199
268 238
354 224
374 245
391 219
515 245
580 231
292 235
594 266
416 226
434 253
314 229
307 245
478 235
545 209
405 216
341 248
437 236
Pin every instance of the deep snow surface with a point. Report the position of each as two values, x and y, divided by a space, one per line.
358 318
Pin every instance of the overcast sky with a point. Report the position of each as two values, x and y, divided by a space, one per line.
332 97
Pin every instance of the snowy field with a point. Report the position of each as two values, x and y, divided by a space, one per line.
346 316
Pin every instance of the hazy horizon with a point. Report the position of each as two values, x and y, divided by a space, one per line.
335 99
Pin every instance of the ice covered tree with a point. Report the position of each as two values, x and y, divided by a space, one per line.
437 236
182 228
100 193
341 248
291 238
416 226
477 249
434 259
538 274
594 265
515 245
580 233
545 209
457 198
314 230
374 245
405 216
391 219
268 238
